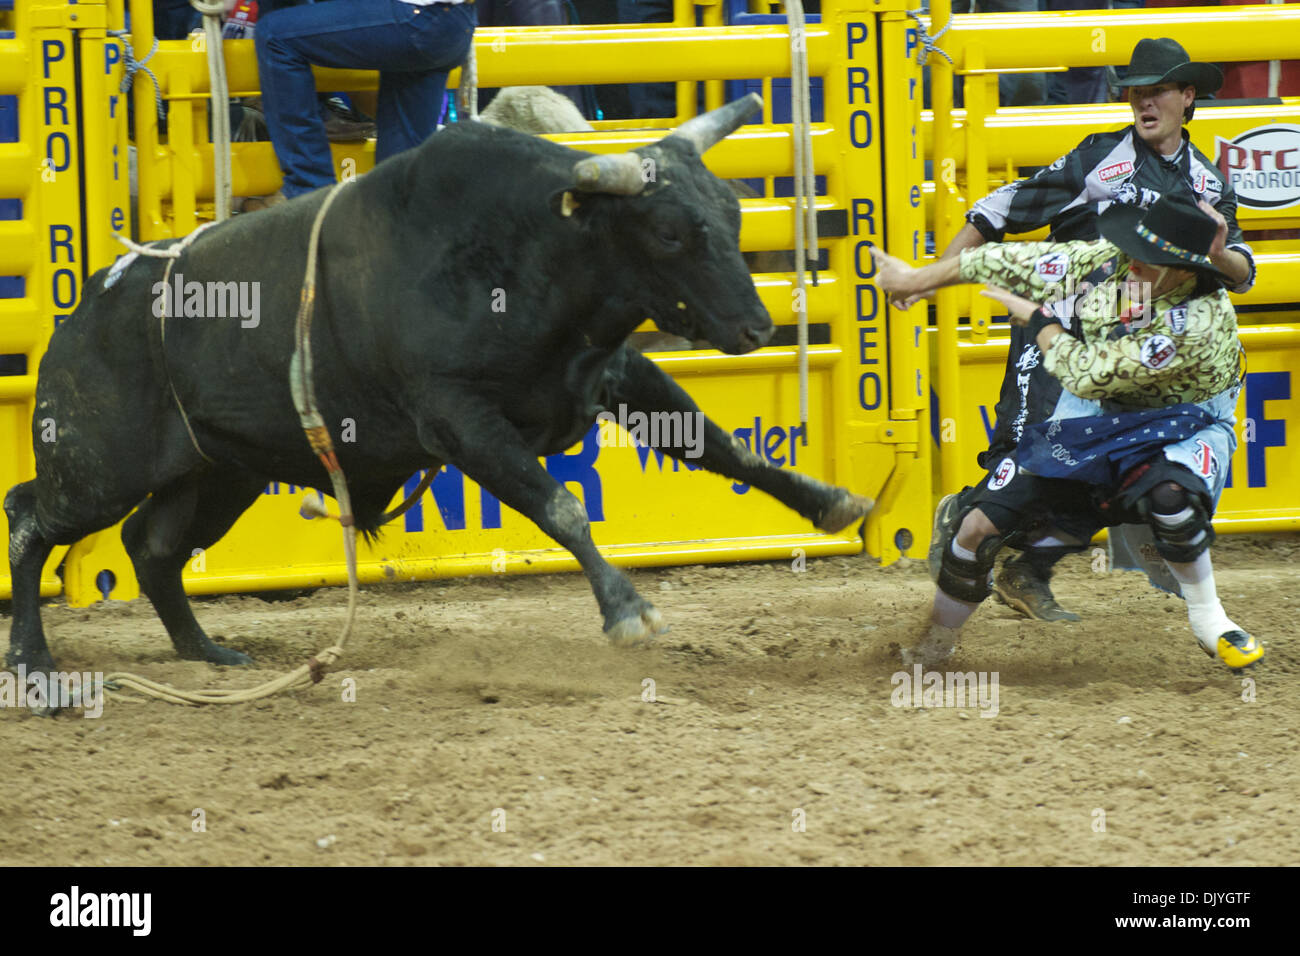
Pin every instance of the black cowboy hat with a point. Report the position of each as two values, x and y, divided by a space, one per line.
1165 61
1171 232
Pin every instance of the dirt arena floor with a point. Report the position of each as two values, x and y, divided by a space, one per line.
493 725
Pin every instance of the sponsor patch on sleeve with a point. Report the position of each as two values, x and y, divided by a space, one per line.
1053 266
1158 351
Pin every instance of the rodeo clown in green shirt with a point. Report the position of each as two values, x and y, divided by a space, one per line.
1143 338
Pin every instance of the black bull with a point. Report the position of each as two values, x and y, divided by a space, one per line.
474 297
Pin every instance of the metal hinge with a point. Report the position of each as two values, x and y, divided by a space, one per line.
883 433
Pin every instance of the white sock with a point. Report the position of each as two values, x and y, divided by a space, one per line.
1204 611
1053 539
948 610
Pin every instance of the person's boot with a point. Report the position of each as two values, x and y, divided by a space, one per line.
945 526
1237 649
1025 584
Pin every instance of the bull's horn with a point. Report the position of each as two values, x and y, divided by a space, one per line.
617 173
708 130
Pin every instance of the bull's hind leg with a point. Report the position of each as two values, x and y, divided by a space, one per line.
642 386
163 535
41 516
28 551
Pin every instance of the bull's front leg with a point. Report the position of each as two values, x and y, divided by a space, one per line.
641 385
492 453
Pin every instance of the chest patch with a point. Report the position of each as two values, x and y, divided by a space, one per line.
1108 174
1177 319
1158 351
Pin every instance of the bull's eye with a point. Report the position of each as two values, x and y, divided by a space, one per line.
668 235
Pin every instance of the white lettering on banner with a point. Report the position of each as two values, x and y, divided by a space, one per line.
1263 165
862 223
57 117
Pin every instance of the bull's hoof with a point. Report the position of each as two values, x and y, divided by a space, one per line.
847 509
43 662
216 654
639 628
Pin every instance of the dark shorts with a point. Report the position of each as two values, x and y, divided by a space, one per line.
1019 503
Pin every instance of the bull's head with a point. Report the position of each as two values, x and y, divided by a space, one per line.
684 224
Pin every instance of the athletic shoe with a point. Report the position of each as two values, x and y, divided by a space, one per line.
257 203
944 517
1020 586
1237 649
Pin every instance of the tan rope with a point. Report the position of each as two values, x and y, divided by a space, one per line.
212 11
318 436
467 92
171 254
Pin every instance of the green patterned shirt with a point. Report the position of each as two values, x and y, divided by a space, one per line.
1188 351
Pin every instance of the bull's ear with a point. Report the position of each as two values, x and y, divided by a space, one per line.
564 203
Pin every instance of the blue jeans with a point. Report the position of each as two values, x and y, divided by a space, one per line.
414 48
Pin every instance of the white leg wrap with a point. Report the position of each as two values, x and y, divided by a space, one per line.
1204 611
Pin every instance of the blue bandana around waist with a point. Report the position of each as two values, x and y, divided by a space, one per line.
1100 449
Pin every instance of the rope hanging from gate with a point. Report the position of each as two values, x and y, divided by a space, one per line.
467 92
927 44
304 395
805 189
212 11
131 66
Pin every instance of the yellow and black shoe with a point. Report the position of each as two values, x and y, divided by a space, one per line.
1237 649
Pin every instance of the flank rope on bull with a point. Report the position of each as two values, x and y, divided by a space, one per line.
171 254
304 395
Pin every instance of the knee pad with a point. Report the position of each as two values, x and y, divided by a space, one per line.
968 580
1181 536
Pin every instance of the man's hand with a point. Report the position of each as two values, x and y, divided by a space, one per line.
896 278
1019 307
